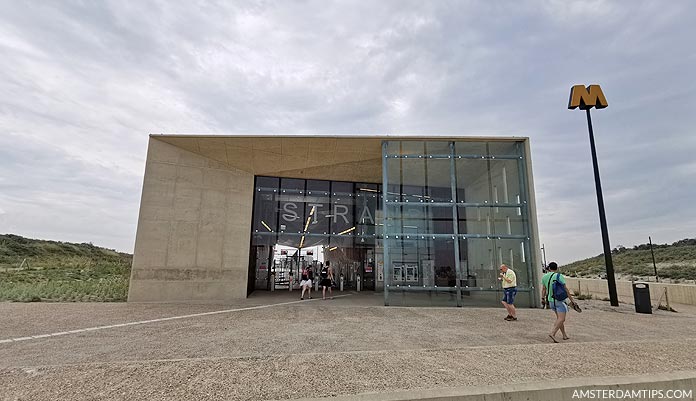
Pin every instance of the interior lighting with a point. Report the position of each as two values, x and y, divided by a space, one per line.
309 218
346 231
266 225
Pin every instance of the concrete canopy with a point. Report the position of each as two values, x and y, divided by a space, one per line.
321 158
338 158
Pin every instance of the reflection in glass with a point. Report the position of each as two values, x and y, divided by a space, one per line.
431 185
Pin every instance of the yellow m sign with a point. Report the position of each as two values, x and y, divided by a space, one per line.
587 98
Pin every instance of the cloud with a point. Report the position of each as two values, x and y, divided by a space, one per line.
83 85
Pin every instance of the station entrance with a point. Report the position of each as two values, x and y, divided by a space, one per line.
300 224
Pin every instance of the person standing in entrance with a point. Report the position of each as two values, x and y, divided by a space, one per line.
306 283
509 280
559 307
326 275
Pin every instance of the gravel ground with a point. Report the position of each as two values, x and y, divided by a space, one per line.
319 348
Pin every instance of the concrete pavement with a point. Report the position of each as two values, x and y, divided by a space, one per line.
318 348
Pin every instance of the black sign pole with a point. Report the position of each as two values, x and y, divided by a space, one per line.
611 281
657 278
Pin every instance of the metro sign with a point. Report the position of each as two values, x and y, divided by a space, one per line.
587 98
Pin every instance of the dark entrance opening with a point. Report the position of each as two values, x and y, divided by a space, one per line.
300 223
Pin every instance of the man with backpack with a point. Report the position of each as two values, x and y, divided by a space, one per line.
554 292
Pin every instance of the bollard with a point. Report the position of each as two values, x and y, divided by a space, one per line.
341 284
290 284
316 284
357 283
272 281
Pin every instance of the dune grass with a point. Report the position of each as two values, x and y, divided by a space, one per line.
675 261
58 271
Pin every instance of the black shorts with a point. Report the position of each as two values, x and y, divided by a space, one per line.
325 282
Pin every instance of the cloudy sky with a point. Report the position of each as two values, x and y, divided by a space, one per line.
83 83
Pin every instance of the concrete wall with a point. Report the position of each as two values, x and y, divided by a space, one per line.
677 293
192 242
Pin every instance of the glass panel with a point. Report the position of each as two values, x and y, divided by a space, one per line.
366 206
478 263
491 221
291 203
513 253
420 219
504 148
473 182
422 272
437 148
505 181
470 148
439 178
412 179
475 220
393 148
412 148
343 211
318 205
265 223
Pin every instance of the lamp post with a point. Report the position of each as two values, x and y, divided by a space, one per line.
543 250
586 98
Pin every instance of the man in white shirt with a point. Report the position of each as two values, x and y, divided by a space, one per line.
509 280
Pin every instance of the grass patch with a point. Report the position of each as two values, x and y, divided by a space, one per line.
101 290
60 271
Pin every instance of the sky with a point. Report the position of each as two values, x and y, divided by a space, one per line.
82 84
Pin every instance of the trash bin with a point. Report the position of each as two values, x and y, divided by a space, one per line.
641 297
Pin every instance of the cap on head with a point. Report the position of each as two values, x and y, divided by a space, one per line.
552 266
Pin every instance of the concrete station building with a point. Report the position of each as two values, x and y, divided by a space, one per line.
419 220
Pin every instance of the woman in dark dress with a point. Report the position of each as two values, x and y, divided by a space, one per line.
326 275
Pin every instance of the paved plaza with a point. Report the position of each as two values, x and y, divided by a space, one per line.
273 346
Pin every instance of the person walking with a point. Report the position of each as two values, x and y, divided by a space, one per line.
306 283
509 281
326 275
555 293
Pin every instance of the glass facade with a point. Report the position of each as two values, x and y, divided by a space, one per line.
433 232
454 212
300 223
